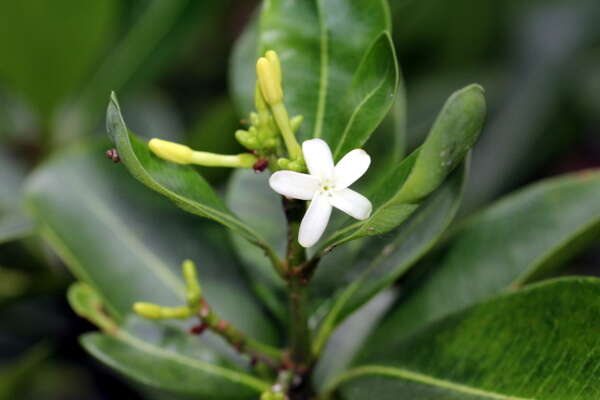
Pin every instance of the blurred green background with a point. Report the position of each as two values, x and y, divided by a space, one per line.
168 60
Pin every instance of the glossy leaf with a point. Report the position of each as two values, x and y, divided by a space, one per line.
537 343
453 134
381 262
180 183
515 241
159 367
339 73
128 243
250 197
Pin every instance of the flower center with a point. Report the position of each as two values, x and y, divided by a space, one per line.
327 187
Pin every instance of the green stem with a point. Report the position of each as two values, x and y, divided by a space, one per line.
283 122
300 350
255 349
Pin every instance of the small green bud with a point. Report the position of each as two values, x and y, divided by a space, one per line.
254 119
247 139
283 163
193 288
266 396
297 165
270 143
296 122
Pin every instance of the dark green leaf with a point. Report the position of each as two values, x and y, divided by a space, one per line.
178 372
242 73
538 343
369 98
250 197
128 243
381 262
15 226
50 46
338 63
517 240
213 131
180 183
346 341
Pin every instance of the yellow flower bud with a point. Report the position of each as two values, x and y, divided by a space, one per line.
174 152
268 79
273 58
148 310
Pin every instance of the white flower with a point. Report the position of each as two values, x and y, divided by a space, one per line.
326 186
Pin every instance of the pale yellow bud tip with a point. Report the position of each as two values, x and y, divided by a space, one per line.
148 310
174 152
273 58
268 80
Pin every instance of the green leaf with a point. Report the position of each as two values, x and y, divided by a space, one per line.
15 226
369 99
338 63
537 343
128 243
454 132
144 49
84 300
12 175
49 47
250 197
242 72
515 241
381 262
161 368
180 183
346 341
209 133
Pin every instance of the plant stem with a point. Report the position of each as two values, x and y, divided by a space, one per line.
296 256
255 349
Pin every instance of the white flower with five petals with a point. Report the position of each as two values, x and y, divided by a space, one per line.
326 186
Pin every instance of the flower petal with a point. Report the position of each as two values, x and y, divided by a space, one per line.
351 167
315 221
318 158
294 184
352 203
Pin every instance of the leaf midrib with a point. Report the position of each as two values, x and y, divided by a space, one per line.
324 73
418 378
